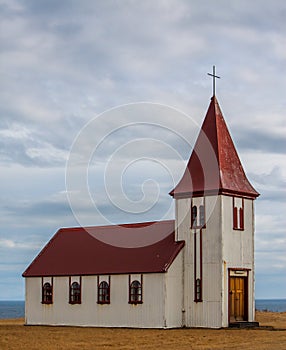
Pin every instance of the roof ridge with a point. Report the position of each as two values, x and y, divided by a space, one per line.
131 224
219 114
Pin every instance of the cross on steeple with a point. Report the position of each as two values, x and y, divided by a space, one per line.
214 78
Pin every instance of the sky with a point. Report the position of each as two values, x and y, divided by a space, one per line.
121 87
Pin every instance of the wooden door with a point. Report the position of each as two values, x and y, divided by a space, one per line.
237 299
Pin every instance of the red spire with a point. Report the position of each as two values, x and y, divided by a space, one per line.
214 166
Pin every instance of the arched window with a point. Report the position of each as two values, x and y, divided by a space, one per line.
194 216
103 293
47 293
202 215
135 292
75 293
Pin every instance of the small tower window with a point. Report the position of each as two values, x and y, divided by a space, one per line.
241 218
198 290
47 293
238 214
198 216
135 293
194 216
103 293
75 293
202 215
235 221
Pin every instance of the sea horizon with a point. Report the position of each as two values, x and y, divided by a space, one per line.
16 308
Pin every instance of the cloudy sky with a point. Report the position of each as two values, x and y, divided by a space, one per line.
65 67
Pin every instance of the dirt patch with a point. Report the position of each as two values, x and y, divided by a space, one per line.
274 319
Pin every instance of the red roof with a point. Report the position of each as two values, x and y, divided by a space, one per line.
77 251
214 166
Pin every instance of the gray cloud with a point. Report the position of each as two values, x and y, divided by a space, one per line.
262 140
63 62
272 185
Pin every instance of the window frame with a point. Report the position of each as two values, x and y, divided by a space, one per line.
194 216
198 290
99 289
138 296
238 215
73 299
198 214
241 216
198 266
45 296
202 215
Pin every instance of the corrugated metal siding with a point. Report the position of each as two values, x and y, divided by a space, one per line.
183 220
174 293
118 314
237 245
183 224
207 313
238 250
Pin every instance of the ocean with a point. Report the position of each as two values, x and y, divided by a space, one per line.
12 308
16 308
274 305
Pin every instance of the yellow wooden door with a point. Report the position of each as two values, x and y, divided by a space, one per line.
237 299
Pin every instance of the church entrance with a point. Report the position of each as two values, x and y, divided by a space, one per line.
238 296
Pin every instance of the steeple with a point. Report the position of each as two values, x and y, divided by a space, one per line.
214 166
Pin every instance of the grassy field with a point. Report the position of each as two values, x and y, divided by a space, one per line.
272 335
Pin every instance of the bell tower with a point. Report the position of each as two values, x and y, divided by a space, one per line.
215 218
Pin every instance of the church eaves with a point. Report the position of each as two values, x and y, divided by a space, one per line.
214 166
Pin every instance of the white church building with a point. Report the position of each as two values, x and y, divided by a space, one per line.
201 274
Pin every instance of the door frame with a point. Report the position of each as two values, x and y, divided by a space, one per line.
240 273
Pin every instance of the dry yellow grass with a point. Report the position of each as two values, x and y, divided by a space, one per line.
13 335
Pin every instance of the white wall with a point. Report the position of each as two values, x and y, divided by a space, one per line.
174 294
207 313
238 250
183 218
223 248
118 313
